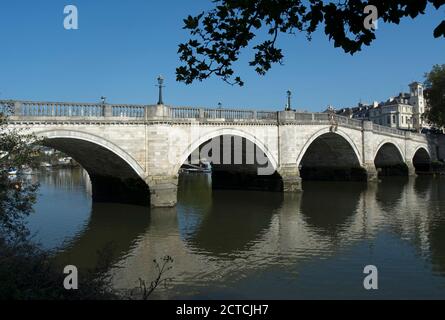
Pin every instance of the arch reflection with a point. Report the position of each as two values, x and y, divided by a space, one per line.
327 207
234 222
422 185
116 225
389 192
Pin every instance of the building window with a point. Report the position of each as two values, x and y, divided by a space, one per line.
393 119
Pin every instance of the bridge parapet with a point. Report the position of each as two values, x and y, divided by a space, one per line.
382 129
44 109
33 111
228 114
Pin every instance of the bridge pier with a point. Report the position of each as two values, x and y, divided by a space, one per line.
411 169
290 174
163 191
371 172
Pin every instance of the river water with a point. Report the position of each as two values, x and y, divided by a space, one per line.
257 245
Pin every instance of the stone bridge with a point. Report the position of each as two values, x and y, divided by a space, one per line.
133 153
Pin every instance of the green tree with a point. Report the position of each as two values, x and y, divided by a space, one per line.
28 272
219 36
435 95
17 195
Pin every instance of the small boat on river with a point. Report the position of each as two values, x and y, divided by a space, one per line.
202 167
12 171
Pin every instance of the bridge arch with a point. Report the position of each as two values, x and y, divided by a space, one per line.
389 160
330 155
78 135
322 132
225 132
232 170
385 142
115 175
422 159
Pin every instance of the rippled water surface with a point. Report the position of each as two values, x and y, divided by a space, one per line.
258 245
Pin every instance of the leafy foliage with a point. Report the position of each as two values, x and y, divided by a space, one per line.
435 95
17 195
219 35
29 273
144 291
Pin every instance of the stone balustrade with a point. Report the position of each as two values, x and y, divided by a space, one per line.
23 110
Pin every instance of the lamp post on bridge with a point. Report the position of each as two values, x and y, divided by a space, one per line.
289 97
160 85
106 108
220 109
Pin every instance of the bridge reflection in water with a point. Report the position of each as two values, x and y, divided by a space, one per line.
248 244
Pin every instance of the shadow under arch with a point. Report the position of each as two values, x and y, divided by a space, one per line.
237 162
423 185
331 157
114 175
225 132
328 207
117 225
389 161
235 222
422 161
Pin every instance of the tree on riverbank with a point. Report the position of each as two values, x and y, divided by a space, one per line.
435 95
219 36
27 272
17 196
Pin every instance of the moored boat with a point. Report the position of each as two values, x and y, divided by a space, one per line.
203 167
12 171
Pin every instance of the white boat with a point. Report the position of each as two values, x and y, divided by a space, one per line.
65 161
203 167
45 164
207 166
12 171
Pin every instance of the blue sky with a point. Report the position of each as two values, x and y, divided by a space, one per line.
121 47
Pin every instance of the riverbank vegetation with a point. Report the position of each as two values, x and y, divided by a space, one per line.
28 272
435 95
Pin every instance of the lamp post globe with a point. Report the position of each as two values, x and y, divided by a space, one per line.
160 85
